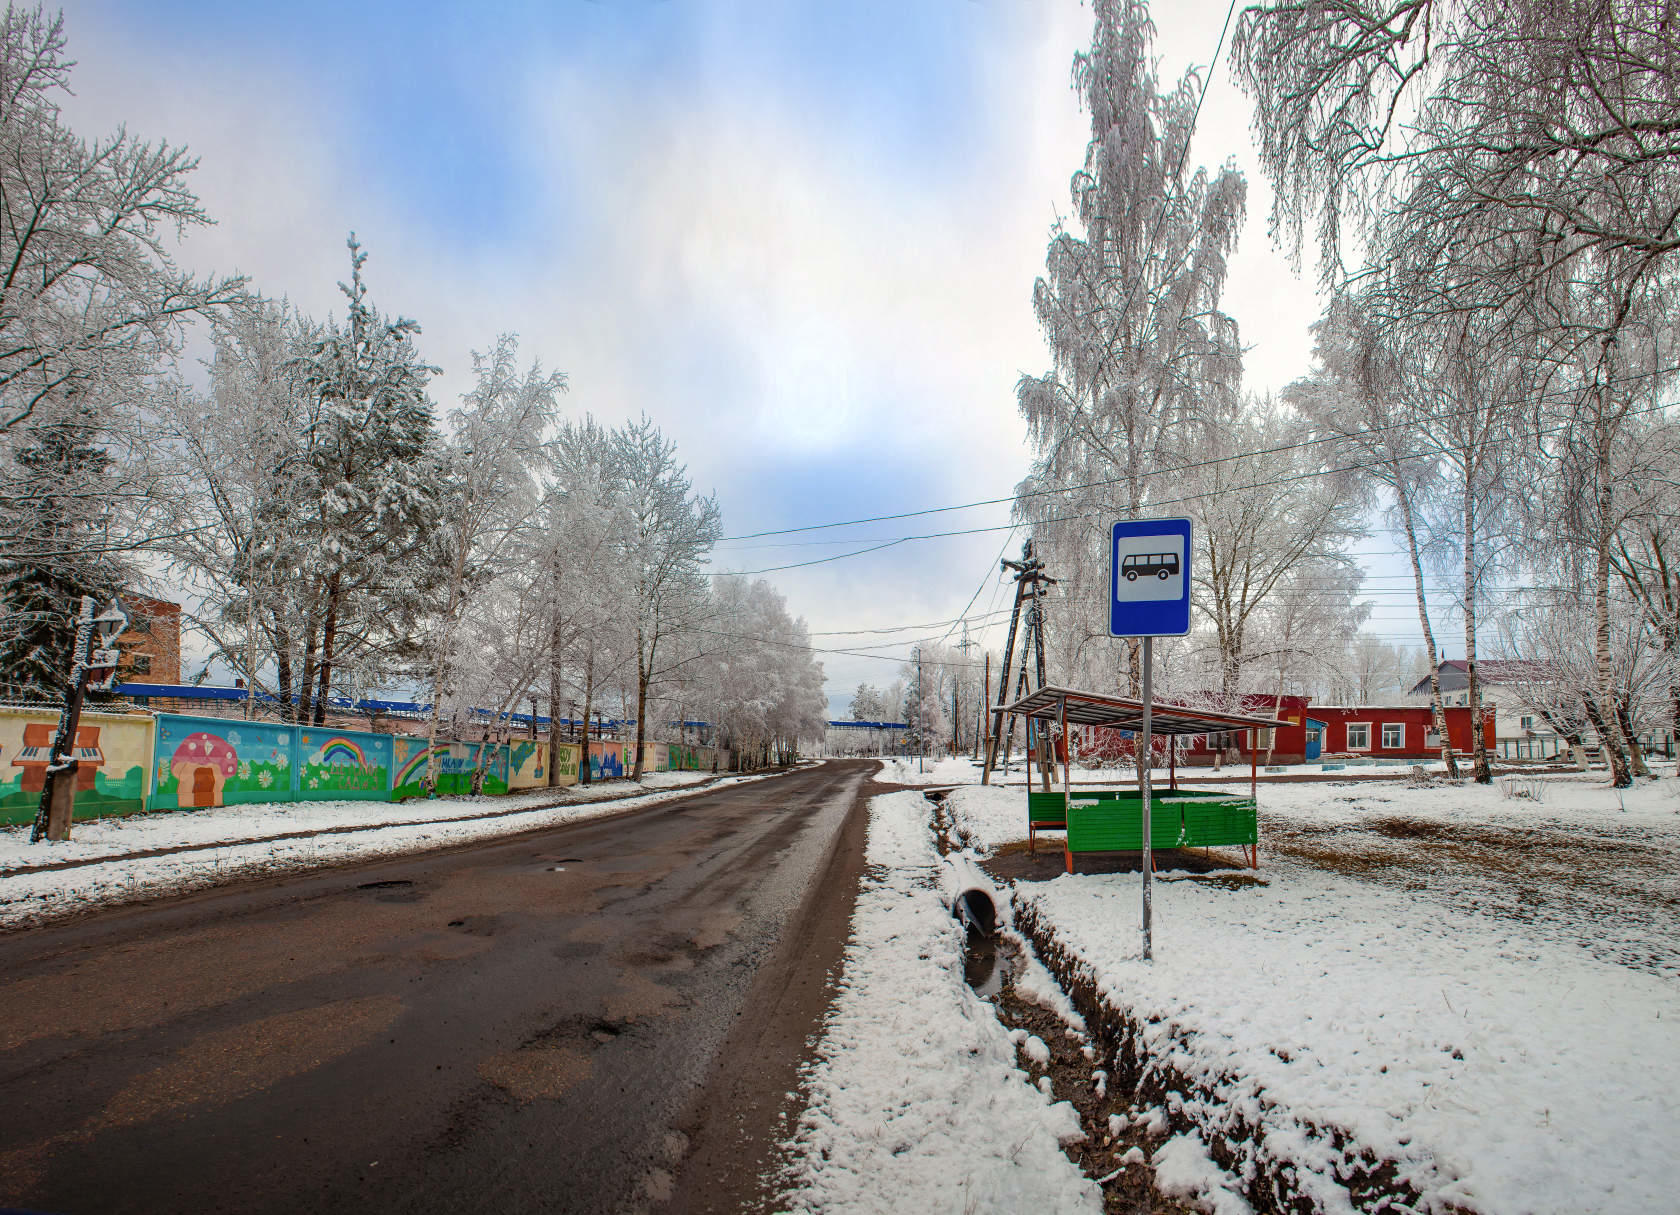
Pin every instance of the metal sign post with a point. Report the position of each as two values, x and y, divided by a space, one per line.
1149 597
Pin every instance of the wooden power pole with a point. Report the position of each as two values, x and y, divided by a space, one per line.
1030 583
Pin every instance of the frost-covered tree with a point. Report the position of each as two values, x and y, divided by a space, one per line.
668 530
90 305
88 292
1365 395
1129 304
232 461
371 504
488 499
1266 511
573 554
866 703
759 674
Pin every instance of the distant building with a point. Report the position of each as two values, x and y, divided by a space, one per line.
151 645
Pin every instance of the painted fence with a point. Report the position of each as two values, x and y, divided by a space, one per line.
219 761
114 751
172 761
527 764
456 763
606 758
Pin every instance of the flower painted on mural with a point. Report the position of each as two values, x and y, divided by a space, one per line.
245 769
233 737
265 779
313 783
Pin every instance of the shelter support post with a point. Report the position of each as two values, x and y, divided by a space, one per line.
1254 764
1067 783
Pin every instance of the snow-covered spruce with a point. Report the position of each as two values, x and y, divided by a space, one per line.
915 1100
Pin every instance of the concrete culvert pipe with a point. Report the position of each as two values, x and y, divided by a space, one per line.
972 897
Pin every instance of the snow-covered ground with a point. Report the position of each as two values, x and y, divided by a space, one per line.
1477 987
915 1100
189 849
943 771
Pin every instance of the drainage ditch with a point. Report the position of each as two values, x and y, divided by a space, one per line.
1120 1138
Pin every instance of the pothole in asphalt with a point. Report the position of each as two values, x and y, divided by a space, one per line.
387 884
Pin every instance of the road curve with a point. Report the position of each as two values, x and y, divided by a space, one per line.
550 1022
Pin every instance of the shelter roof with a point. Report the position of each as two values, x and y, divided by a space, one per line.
1101 709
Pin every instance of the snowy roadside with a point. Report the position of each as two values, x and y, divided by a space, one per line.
200 848
1446 995
915 1102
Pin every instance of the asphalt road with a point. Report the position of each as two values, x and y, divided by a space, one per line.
600 1017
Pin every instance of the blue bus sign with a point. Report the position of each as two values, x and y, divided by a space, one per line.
1149 578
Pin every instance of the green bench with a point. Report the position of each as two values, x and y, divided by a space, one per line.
1107 820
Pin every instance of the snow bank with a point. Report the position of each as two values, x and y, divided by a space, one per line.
245 842
915 1101
1322 1022
946 771
985 817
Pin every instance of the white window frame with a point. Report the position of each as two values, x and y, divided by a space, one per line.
1362 725
1394 725
1525 722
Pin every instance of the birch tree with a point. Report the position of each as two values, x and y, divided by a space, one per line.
1364 395
668 530
1129 302
488 496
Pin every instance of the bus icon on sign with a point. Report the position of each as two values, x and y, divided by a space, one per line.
1146 565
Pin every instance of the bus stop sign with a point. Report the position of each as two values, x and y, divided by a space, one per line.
1149 578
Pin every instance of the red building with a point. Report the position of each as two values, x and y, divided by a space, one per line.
1314 732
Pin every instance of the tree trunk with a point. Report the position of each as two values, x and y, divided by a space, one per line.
553 724
1577 750
1437 713
1480 768
1609 729
1635 758
283 667
588 716
329 639
306 683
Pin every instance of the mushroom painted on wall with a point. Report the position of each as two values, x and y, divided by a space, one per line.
202 764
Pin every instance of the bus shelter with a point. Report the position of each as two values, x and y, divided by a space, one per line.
1111 820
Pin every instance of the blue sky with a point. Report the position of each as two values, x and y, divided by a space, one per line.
801 237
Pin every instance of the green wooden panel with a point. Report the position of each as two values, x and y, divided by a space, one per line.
1116 826
1221 824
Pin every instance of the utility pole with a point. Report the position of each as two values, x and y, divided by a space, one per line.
1030 581
965 645
921 740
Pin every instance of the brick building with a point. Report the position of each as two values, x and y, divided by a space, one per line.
151 645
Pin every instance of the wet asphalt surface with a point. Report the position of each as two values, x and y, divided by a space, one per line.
538 1023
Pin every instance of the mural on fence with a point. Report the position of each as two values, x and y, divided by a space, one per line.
455 764
606 759
527 764
216 761
113 752
658 757
684 758
344 765
566 763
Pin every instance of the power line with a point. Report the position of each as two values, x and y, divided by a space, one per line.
1289 478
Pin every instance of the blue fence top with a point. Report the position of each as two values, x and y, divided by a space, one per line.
868 725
